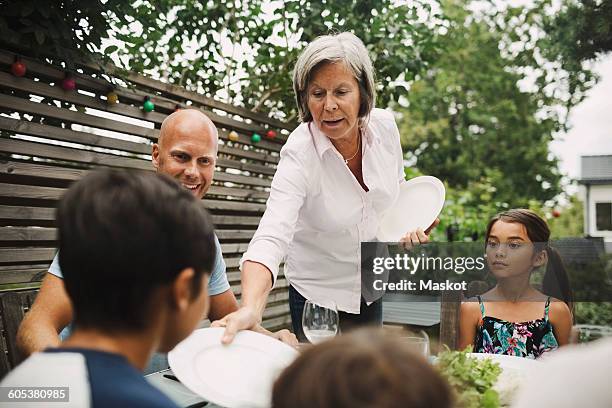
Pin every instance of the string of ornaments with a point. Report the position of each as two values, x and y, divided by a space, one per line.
255 137
68 83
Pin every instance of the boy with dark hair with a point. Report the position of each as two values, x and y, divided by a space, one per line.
136 250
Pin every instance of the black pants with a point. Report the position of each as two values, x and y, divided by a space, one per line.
368 315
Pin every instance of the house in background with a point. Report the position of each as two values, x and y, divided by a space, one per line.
596 179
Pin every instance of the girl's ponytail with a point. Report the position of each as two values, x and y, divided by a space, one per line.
556 281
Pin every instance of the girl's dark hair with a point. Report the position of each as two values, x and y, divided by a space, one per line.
362 369
556 282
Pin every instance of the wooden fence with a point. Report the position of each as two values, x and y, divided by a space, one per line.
50 137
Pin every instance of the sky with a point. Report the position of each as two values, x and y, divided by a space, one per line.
591 121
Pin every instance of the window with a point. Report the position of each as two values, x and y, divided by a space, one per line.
603 216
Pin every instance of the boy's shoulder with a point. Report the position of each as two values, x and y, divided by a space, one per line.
92 378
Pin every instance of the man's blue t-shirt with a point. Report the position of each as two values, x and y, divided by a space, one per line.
217 283
92 378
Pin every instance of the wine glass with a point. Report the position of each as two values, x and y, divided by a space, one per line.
417 344
319 322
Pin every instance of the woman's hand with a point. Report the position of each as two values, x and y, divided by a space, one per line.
283 335
245 319
418 237
242 319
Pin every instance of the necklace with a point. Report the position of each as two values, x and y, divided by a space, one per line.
358 147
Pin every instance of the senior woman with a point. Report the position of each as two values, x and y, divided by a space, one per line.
338 172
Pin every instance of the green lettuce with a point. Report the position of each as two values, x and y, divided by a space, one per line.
471 379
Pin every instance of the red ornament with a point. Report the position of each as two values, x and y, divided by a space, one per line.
556 213
270 134
68 83
18 68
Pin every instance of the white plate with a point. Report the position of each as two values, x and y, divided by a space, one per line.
419 202
237 375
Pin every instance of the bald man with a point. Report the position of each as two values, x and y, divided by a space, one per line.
187 151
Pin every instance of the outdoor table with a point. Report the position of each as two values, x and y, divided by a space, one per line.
177 392
181 395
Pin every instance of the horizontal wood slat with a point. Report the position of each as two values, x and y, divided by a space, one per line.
26 275
50 234
91 158
221 220
242 179
255 168
67 174
33 192
26 213
244 235
27 234
31 255
13 103
48 214
53 193
234 248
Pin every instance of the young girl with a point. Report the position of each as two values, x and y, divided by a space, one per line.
514 318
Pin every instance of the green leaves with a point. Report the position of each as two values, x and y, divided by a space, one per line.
69 29
472 379
469 123
240 51
244 52
110 49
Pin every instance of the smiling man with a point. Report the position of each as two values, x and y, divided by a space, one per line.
187 151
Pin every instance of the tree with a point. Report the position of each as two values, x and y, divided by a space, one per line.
70 29
581 31
245 50
468 120
570 221
241 51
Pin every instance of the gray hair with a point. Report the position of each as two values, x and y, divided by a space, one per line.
345 47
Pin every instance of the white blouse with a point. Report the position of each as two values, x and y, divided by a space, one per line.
317 213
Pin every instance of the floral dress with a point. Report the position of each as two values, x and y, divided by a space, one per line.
528 339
